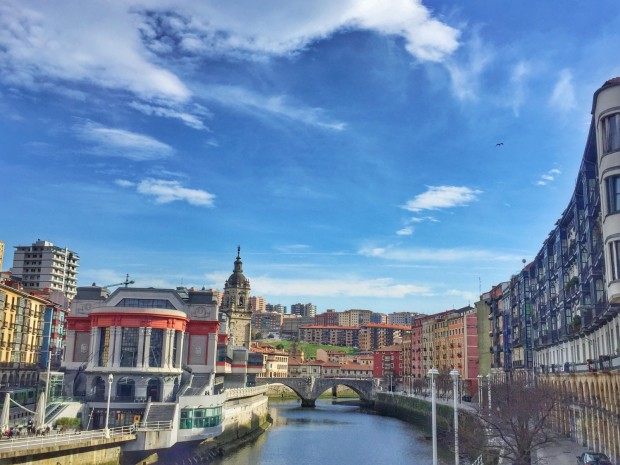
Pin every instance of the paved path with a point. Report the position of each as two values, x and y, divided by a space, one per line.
562 452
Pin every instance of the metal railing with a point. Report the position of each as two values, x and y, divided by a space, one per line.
154 426
235 393
56 438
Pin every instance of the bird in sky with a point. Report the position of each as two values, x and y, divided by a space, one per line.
499 144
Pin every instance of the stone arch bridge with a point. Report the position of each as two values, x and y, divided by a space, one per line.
309 388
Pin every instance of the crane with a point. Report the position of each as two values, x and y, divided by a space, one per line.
127 282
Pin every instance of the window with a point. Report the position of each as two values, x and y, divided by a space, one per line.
129 347
613 194
611 133
614 255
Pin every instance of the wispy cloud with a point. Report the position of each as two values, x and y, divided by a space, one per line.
549 176
407 231
518 77
435 255
346 286
439 197
170 191
563 94
190 119
263 106
114 142
467 68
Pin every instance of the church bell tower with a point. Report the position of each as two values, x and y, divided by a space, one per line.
236 304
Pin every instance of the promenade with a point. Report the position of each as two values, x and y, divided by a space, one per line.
18 446
561 451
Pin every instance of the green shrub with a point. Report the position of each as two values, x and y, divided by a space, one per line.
68 422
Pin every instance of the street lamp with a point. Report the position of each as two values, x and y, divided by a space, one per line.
432 373
455 387
480 391
489 391
107 413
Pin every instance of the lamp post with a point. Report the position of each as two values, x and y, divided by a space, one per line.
455 387
489 391
480 391
107 413
432 373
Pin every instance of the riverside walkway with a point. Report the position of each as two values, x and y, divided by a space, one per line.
32 445
561 451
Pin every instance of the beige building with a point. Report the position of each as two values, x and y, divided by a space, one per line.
45 267
275 362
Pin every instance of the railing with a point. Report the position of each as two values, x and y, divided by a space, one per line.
57 438
236 393
154 426
478 461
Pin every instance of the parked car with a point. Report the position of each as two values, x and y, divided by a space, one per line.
593 458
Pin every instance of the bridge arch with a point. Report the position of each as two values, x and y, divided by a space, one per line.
308 389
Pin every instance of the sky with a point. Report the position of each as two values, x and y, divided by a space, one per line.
400 158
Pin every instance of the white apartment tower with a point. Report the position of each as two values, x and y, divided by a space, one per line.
45 267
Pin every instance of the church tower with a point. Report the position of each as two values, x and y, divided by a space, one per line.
236 304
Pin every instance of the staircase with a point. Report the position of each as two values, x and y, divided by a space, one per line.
158 417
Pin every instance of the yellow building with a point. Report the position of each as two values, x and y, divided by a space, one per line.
21 326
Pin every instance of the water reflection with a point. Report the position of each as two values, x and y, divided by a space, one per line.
332 433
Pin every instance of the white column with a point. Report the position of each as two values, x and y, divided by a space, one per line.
147 346
118 337
70 346
140 363
180 349
92 358
167 348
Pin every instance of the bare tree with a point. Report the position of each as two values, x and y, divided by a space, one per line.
519 421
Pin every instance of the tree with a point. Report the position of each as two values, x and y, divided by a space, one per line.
519 421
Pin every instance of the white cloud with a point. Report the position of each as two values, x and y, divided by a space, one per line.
435 255
124 183
517 90
66 41
189 119
260 105
549 176
437 197
346 286
282 27
563 95
170 191
408 231
466 71
113 142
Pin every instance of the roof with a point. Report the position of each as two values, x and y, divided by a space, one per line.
386 326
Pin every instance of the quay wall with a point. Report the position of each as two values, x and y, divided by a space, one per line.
100 454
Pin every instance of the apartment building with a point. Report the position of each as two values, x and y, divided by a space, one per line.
46 267
373 336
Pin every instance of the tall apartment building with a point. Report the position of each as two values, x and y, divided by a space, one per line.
354 317
266 322
303 309
329 318
401 318
258 304
275 308
45 267
373 336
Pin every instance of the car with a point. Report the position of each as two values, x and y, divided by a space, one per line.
593 458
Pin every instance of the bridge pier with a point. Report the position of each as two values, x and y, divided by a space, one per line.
308 403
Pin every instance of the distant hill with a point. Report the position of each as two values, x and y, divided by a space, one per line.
308 349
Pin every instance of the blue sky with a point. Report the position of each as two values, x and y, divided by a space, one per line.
348 147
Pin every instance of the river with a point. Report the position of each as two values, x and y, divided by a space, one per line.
332 433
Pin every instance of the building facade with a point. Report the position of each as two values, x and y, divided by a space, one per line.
558 317
46 267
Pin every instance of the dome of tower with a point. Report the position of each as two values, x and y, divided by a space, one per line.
237 278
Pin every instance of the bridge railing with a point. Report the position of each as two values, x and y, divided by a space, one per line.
236 393
55 439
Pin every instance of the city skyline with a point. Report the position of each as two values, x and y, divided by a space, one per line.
400 160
